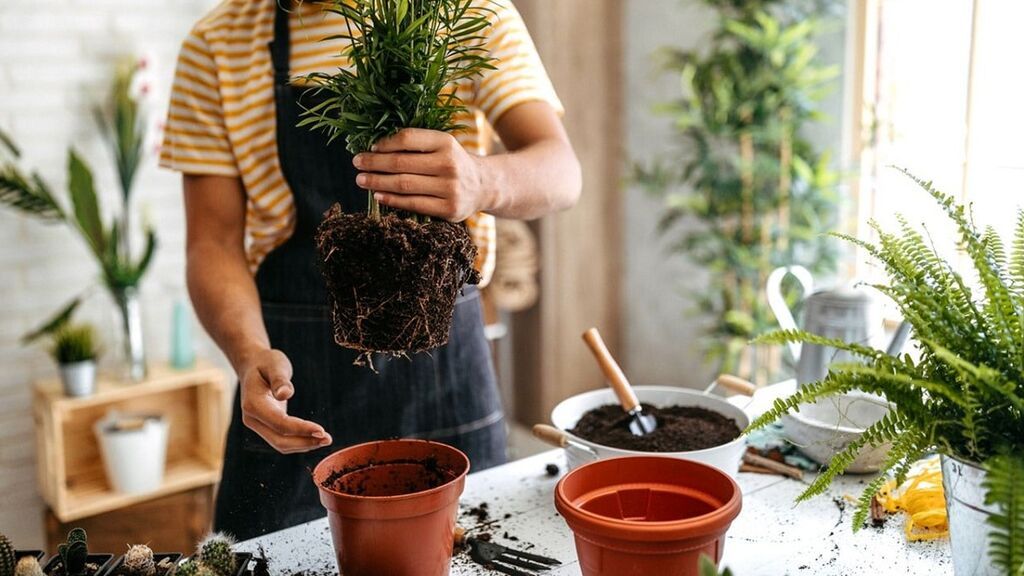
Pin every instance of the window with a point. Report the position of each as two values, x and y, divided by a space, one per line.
942 94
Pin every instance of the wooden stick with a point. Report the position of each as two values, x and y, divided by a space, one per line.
757 469
778 467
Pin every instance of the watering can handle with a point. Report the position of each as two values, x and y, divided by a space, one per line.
777 302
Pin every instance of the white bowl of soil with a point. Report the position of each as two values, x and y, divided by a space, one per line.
688 419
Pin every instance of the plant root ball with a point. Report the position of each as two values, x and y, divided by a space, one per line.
393 282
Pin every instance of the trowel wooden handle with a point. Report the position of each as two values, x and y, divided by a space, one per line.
736 384
551 435
611 370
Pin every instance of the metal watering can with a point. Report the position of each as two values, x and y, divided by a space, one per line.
846 313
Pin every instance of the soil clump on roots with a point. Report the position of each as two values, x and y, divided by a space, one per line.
393 282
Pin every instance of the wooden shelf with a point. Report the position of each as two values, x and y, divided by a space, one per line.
71 476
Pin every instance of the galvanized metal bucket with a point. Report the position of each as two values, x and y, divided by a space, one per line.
968 515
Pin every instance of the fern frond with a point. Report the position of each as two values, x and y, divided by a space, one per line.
793 336
1017 256
1004 484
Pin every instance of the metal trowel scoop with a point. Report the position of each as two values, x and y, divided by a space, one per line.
640 424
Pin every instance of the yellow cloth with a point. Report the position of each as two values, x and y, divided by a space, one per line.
221 116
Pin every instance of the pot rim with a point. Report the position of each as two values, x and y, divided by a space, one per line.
624 453
344 496
661 530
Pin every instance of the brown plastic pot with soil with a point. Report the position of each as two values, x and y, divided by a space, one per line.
392 505
643 515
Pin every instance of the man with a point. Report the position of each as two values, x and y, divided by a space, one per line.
256 187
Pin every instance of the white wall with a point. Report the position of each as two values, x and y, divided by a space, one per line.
661 336
55 59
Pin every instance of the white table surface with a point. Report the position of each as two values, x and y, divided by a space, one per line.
771 536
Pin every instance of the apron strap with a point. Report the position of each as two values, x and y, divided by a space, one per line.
280 46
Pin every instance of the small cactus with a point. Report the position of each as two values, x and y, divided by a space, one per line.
74 553
8 560
138 561
216 553
28 566
187 568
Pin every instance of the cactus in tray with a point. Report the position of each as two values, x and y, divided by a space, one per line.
7 556
194 568
28 566
75 552
138 561
216 552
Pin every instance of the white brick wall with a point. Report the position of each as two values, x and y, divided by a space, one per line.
55 60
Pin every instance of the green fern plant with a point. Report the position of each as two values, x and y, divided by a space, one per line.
964 395
405 58
1004 484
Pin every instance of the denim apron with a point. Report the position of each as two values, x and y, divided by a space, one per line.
448 394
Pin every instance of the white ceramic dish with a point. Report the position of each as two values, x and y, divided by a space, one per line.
826 427
725 457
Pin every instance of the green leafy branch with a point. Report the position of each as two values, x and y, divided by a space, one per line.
405 58
964 395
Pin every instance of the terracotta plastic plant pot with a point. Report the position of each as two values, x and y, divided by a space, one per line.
392 506
645 515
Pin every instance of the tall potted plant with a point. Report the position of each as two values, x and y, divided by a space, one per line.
110 245
748 192
393 276
963 397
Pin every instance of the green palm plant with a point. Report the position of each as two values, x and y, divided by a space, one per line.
761 194
405 56
964 395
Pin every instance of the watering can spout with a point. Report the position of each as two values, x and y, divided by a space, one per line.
777 302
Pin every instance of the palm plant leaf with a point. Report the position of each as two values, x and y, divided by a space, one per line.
54 323
85 204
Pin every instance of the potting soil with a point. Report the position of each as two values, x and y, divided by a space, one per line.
393 282
680 429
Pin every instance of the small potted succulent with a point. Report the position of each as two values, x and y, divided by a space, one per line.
215 556
140 560
18 562
73 558
75 348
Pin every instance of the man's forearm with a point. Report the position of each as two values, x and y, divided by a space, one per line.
533 181
226 300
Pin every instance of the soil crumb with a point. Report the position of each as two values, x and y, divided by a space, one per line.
680 429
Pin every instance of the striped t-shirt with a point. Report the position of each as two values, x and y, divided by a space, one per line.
221 118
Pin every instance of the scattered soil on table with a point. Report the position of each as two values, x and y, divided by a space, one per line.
393 283
390 478
552 470
680 429
480 512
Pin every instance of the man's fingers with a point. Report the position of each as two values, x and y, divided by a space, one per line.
426 205
414 140
285 444
282 388
403 163
410 184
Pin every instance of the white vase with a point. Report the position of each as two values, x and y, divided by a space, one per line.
79 378
135 456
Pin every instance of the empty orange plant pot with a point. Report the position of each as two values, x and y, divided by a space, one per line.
645 515
392 506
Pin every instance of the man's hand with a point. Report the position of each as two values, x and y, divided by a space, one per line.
266 386
426 172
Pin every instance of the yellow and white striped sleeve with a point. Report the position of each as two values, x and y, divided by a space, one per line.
195 137
520 76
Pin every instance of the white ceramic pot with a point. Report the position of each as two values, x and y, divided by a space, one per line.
134 456
725 457
79 378
826 427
